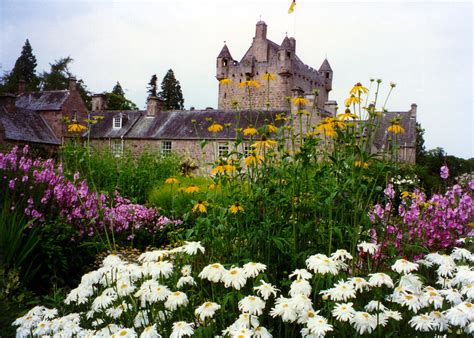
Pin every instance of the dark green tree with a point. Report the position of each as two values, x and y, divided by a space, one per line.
58 78
116 99
152 85
171 92
420 143
24 69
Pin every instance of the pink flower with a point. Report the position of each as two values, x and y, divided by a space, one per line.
444 172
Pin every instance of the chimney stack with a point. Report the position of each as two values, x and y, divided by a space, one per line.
72 83
99 102
412 111
8 102
21 87
153 106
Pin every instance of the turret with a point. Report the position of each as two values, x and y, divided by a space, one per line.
286 53
261 31
224 61
326 72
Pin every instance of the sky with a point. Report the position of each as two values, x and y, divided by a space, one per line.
424 47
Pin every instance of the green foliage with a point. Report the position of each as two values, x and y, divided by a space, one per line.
152 85
132 176
58 79
171 92
116 99
24 69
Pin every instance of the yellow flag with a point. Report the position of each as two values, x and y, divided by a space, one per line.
292 7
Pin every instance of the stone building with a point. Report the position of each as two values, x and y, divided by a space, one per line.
265 56
37 118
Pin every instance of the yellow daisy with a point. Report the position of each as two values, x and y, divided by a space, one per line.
235 208
200 206
215 128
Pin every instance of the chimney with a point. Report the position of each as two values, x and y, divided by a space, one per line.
99 102
153 106
331 106
21 87
8 102
412 111
72 83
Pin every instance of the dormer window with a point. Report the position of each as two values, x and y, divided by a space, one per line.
117 122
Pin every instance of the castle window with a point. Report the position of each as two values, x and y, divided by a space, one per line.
224 63
74 116
225 95
117 148
117 122
327 75
166 147
222 149
288 54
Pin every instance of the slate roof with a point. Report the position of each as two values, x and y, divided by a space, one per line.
407 139
27 126
225 53
178 125
325 66
46 100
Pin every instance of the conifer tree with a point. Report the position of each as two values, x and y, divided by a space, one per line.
24 69
152 85
171 92
116 99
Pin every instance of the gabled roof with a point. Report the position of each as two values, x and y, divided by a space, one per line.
225 53
179 125
47 100
104 128
27 126
407 121
286 44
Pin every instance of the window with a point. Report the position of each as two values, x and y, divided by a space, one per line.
247 150
222 149
224 63
166 147
117 124
74 116
117 148
327 75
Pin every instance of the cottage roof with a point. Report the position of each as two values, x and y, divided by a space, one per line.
46 100
407 121
179 125
104 127
27 126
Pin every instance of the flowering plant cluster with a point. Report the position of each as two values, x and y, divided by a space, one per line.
46 193
162 295
433 223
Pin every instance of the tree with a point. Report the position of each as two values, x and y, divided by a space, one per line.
58 79
152 85
171 92
420 143
116 99
24 69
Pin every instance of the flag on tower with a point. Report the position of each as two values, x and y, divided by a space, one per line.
292 7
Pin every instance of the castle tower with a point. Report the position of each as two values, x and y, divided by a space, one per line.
281 61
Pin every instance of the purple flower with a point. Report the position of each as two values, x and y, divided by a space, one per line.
444 172
11 184
389 192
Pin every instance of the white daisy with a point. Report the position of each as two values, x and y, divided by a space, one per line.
404 266
375 306
423 323
252 305
206 310
253 269
150 332
300 286
185 280
360 284
379 279
175 300
342 291
266 289
235 277
319 326
285 309
322 264
369 248
301 274
363 322
181 329
343 311
191 248
212 272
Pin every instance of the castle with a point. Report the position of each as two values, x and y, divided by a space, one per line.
292 76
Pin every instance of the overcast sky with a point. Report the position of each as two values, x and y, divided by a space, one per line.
424 47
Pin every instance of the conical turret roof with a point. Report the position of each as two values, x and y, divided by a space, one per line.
225 53
286 44
325 66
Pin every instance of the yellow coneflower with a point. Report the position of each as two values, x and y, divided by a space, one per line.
263 143
347 115
218 170
406 194
361 164
352 100
225 81
171 180
215 128
235 208
395 128
250 131
230 168
358 89
271 128
268 76
250 83
300 101
98 117
200 206
328 126
76 128
192 189
253 160
212 186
